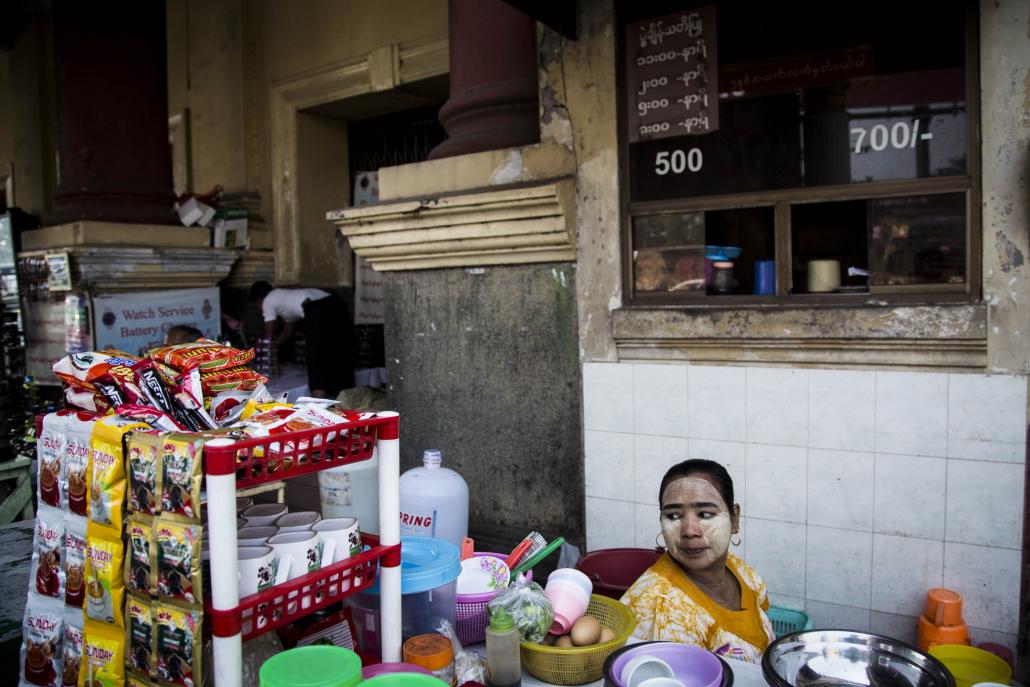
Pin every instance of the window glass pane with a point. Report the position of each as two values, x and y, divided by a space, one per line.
918 240
818 95
828 243
681 252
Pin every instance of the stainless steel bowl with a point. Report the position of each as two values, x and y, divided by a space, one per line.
821 658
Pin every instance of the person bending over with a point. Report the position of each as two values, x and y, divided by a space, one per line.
328 330
698 592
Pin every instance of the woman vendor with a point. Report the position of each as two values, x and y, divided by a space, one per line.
698 592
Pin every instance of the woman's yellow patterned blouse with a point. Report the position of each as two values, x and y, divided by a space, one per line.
670 607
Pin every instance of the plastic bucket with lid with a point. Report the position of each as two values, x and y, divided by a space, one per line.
312 666
429 581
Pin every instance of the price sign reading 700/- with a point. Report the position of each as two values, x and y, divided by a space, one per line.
901 135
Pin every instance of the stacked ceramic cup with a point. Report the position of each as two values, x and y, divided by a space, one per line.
569 591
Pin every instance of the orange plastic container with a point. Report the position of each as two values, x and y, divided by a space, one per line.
930 635
944 607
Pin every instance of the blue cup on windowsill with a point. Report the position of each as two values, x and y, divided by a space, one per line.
765 277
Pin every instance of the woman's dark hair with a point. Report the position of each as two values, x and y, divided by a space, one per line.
709 468
185 331
258 290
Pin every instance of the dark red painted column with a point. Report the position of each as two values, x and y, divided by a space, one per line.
493 103
112 112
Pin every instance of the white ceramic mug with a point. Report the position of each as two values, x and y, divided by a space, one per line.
303 551
256 536
343 532
298 521
644 667
264 514
260 569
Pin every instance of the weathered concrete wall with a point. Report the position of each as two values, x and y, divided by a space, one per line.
1005 111
483 365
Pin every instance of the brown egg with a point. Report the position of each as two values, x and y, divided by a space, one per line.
585 631
607 635
549 639
563 642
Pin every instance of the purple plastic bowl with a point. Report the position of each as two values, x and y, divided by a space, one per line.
691 665
384 668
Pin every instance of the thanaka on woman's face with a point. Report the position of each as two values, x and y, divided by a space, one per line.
697 523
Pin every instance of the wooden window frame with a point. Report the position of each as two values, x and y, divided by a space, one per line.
782 200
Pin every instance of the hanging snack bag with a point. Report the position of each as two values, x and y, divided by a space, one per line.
140 634
103 651
75 561
178 560
205 354
105 588
138 563
144 449
181 476
72 648
48 553
50 452
76 461
106 474
42 636
177 646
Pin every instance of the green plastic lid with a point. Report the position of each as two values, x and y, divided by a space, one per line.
501 621
312 666
404 680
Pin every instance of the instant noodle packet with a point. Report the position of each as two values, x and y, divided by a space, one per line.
47 577
105 587
103 653
204 354
144 463
140 635
178 644
75 561
231 379
178 560
106 474
74 639
182 473
139 568
42 637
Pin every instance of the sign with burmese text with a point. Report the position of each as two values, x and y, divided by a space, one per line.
672 75
137 322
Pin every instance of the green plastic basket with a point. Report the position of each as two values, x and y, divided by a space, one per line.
787 620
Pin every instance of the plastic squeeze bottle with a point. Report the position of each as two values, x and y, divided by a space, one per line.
504 669
434 501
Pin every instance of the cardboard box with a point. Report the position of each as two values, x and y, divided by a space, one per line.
229 229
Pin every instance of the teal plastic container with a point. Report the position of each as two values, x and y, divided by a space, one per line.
312 666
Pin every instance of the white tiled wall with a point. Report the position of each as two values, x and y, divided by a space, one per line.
859 490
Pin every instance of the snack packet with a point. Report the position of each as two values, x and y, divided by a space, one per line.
181 476
230 379
205 354
74 638
139 569
76 461
152 386
42 637
103 651
86 399
83 369
50 453
105 588
75 561
48 553
106 474
153 417
143 465
178 561
177 646
140 635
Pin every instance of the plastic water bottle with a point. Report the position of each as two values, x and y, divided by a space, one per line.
434 501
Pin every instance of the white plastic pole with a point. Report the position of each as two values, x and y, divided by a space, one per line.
389 534
225 586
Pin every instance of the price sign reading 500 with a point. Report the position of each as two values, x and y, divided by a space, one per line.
879 137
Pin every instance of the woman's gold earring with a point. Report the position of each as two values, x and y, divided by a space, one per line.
735 543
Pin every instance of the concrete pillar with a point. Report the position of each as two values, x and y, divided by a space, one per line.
112 110
493 103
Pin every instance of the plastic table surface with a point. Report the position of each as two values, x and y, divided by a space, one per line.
744 674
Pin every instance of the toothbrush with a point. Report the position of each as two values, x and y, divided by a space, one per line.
517 552
536 544
523 567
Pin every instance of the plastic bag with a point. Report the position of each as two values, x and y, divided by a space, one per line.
525 602
468 665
